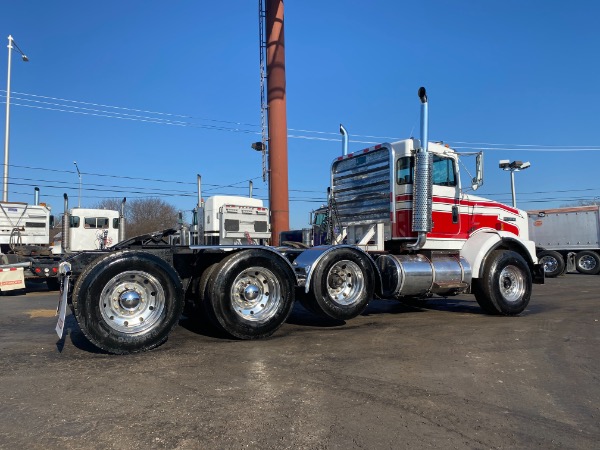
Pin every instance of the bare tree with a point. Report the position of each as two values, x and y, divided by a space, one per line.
143 215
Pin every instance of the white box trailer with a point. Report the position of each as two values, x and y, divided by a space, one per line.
561 233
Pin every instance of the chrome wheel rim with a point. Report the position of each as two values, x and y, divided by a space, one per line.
550 263
345 282
256 294
132 302
587 262
512 284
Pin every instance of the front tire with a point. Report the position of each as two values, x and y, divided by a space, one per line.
587 262
342 285
506 285
128 301
554 263
250 294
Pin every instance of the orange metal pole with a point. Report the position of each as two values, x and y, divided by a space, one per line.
276 100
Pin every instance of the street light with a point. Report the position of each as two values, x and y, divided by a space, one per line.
11 42
79 174
514 166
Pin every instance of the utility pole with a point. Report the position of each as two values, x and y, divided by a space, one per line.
276 99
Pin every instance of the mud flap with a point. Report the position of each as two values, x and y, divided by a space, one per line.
538 274
12 279
64 270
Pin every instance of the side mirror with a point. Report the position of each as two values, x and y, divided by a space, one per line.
478 180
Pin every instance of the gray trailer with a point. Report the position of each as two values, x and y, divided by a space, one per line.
564 235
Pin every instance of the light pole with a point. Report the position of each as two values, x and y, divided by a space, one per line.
11 42
78 174
514 166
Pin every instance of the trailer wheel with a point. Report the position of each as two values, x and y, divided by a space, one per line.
250 294
587 262
506 284
128 301
554 263
342 285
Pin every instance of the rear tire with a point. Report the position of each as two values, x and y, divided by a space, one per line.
587 262
342 285
554 263
250 294
506 285
128 301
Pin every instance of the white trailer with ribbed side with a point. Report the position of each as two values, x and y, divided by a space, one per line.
408 229
567 235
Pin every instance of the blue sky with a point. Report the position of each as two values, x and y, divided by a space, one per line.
510 73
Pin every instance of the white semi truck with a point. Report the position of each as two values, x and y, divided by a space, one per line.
408 230
25 236
567 234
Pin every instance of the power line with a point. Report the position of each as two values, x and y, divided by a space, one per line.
134 117
154 180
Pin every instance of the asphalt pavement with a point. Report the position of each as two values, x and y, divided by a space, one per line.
435 374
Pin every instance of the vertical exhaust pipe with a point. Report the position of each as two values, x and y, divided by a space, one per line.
250 188
36 196
65 226
422 187
122 220
199 181
344 140
200 215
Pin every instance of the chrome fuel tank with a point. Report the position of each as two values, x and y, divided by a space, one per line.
417 275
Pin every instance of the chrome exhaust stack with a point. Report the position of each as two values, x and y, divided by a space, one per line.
122 221
344 140
422 187
36 196
65 226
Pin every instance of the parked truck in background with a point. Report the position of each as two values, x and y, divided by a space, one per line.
408 230
316 234
25 236
567 233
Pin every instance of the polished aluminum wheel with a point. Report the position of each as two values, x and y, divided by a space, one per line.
587 262
132 302
512 283
345 282
550 263
256 294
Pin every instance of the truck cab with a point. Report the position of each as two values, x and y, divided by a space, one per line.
373 194
89 229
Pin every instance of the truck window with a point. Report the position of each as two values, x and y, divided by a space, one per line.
404 170
319 218
74 222
96 222
115 223
443 171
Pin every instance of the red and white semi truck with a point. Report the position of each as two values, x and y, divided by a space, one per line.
408 230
